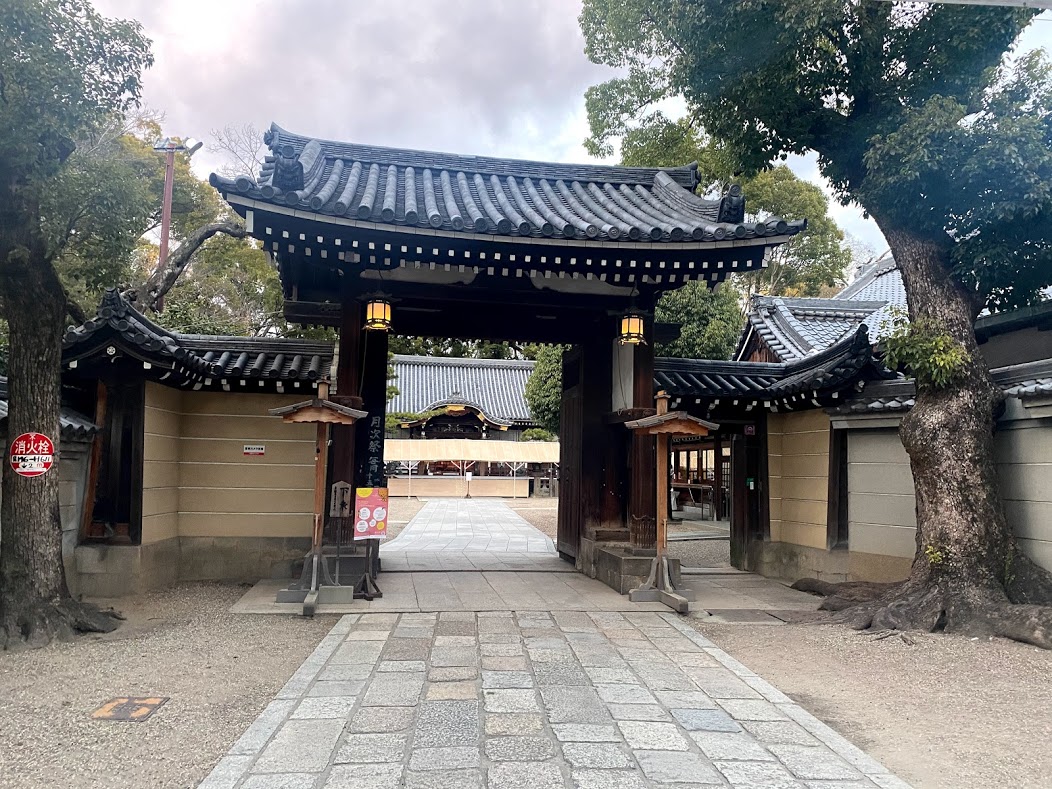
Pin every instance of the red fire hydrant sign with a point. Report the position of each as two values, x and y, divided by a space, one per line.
370 514
32 454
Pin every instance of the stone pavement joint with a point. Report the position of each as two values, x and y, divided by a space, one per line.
590 700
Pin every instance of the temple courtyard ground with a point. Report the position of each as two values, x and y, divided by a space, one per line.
535 697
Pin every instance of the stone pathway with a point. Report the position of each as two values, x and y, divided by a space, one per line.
534 700
469 525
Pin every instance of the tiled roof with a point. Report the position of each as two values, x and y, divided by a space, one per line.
1024 381
797 328
804 382
194 359
794 328
73 426
451 192
496 387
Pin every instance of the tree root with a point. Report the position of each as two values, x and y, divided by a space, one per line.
967 611
840 596
1028 583
37 625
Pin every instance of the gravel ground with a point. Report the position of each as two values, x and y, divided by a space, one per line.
945 713
701 553
542 514
219 669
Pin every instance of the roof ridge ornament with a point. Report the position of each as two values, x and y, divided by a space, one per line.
732 206
288 170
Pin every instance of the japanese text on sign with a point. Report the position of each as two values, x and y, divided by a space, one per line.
32 454
370 514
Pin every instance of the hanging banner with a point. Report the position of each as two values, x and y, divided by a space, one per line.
32 454
370 514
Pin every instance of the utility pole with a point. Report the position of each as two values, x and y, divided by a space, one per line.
168 146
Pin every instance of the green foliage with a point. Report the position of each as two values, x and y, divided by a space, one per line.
710 321
230 288
66 71
464 349
538 434
809 263
544 388
912 109
394 420
933 555
935 359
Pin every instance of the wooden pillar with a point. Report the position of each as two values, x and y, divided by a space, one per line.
642 498
717 480
348 382
369 439
598 455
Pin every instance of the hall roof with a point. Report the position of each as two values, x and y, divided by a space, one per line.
794 328
1029 381
495 387
829 375
431 191
72 426
194 360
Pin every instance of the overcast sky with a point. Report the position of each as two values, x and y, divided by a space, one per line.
486 77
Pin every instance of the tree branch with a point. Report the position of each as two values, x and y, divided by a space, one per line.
164 277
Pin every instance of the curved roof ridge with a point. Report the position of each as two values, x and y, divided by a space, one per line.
467 361
685 175
468 402
591 203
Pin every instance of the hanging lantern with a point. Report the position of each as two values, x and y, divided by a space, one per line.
378 315
631 329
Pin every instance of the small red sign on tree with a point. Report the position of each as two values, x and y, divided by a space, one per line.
32 454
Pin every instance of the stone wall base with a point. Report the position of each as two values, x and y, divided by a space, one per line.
121 570
617 566
790 562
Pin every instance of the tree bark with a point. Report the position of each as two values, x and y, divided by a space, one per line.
968 572
35 603
150 294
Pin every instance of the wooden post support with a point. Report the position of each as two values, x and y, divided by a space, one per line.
662 481
659 588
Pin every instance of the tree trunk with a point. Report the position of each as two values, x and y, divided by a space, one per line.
968 571
151 293
35 603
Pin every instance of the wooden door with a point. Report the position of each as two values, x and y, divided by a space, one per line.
571 423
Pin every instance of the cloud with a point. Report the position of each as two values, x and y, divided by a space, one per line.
469 76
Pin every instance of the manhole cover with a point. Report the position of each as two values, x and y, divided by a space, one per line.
129 708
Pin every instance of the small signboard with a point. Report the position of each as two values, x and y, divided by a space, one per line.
255 449
32 454
750 430
370 514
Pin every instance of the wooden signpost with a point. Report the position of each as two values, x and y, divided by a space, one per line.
323 413
659 586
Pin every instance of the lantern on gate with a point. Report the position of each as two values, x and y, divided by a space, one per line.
631 329
378 314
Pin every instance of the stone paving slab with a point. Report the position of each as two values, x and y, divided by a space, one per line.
470 526
647 703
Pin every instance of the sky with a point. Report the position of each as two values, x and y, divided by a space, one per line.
484 77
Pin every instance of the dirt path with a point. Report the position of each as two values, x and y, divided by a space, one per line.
219 670
946 713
